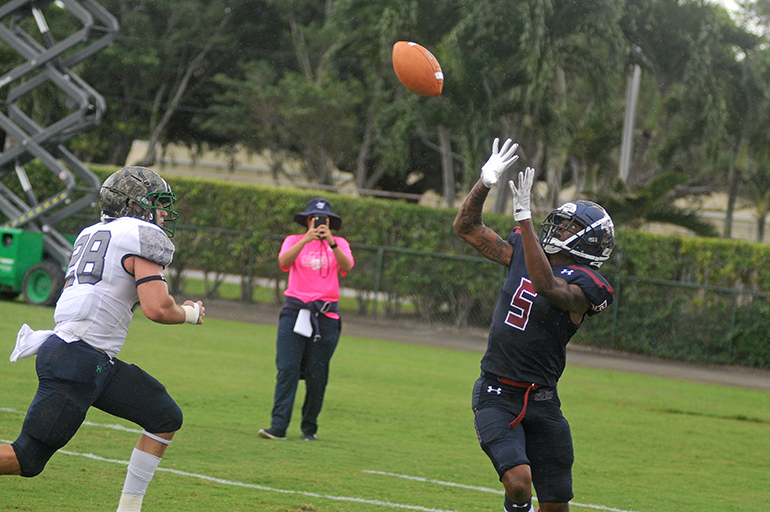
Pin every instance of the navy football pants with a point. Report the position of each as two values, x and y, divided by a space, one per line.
75 376
542 440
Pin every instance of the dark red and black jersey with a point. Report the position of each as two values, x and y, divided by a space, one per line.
528 337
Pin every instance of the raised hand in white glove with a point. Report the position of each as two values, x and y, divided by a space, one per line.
498 162
521 195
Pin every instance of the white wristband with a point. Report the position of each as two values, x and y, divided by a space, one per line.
192 313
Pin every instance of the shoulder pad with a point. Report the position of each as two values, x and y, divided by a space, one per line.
155 246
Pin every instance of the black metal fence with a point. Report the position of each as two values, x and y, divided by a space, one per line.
668 319
684 321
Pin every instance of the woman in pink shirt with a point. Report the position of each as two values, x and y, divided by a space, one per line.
309 323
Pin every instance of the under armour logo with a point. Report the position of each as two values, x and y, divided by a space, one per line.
567 271
98 369
490 389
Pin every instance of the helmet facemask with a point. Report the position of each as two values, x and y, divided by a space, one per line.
163 201
560 224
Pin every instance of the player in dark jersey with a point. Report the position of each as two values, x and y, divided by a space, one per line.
551 287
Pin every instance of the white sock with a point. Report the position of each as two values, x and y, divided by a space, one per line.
141 469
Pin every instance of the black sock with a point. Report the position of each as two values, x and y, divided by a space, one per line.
516 507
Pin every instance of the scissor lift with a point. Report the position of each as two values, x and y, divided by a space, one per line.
33 255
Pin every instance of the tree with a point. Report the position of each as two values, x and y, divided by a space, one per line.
306 109
693 108
757 190
190 63
541 74
156 77
653 203
399 126
313 81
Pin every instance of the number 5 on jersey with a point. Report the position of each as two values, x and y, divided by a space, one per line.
521 305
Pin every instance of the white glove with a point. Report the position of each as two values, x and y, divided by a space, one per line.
498 162
521 199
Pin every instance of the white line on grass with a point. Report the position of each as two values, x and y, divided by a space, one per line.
482 489
337 498
90 424
421 479
253 486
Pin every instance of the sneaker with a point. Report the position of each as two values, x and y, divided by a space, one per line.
309 437
271 433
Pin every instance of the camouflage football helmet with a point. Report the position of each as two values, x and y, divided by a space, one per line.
138 192
591 233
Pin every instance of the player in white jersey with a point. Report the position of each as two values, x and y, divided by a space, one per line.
116 265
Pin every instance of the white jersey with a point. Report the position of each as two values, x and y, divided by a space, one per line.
99 298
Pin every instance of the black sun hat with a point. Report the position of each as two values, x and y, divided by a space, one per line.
318 205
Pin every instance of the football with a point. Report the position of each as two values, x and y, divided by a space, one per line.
417 69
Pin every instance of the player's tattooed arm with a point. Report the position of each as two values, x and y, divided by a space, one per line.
469 225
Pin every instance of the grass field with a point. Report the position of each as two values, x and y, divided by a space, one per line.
396 433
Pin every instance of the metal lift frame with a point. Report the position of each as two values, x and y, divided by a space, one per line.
50 63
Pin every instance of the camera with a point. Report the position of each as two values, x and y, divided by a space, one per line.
320 219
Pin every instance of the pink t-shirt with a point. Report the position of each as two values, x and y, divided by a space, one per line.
314 275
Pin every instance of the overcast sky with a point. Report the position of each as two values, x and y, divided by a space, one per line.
732 6
729 4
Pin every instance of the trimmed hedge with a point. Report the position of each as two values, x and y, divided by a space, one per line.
263 211
715 262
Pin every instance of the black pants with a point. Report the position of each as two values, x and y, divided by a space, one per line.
298 356
542 440
72 377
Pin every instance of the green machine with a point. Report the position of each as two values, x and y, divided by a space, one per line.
23 268
33 254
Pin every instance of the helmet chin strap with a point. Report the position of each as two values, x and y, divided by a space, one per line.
551 249
555 245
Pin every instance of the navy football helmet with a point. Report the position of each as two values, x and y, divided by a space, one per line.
590 228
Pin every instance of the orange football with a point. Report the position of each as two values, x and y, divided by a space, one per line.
417 69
